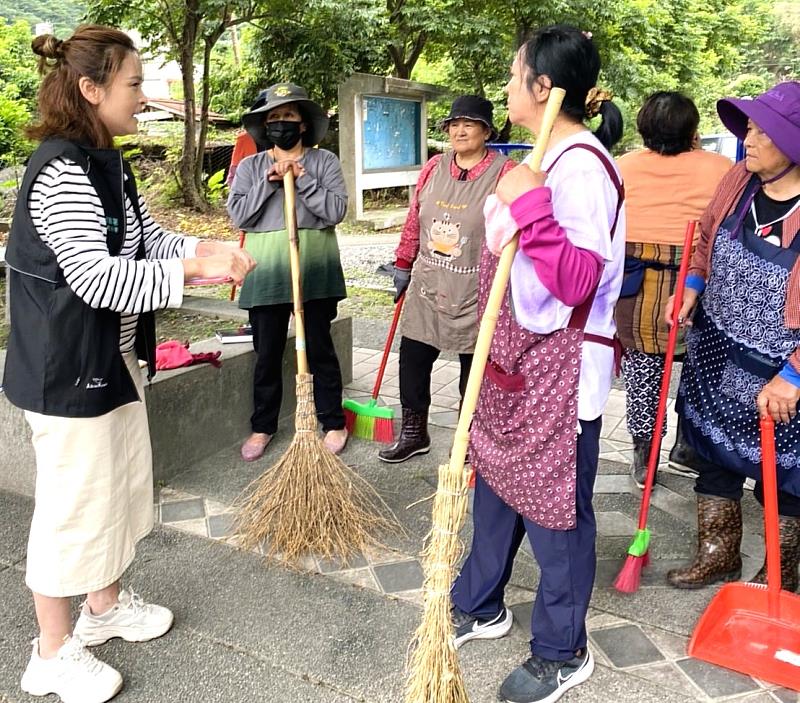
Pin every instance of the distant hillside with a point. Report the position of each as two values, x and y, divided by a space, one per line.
64 15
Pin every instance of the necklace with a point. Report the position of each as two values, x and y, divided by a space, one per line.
471 166
763 230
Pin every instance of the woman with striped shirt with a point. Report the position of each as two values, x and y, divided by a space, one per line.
88 266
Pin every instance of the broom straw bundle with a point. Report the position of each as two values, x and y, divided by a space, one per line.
434 673
310 501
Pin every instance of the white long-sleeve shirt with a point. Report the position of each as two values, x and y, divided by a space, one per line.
69 217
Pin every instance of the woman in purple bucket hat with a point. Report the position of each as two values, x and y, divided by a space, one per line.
742 308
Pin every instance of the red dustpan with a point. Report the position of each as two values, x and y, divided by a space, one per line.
752 628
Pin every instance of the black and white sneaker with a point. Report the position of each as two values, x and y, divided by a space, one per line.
469 627
543 681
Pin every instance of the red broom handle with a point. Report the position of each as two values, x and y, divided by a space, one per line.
392 329
771 529
241 244
672 341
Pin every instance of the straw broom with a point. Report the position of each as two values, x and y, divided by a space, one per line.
434 673
310 502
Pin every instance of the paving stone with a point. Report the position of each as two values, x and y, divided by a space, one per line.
197 527
627 646
784 695
670 677
357 577
715 681
614 524
183 510
671 645
327 566
399 576
613 483
446 418
220 526
415 596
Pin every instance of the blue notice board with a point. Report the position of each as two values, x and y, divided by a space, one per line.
391 133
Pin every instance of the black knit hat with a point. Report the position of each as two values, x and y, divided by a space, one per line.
471 107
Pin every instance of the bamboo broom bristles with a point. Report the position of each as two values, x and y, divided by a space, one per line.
434 672
310 501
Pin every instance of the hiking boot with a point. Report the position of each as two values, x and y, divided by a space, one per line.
719 539
469 627
131 619
74 674
641 454
414 438
682 457
790 554
543 681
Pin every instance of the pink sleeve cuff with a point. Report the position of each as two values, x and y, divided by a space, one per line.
532 206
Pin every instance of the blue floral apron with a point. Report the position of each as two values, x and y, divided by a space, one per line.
737 344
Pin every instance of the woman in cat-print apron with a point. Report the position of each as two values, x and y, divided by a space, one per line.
437 262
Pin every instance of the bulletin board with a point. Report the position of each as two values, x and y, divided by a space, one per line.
391 134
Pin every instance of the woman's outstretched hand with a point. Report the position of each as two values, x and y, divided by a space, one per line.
232 262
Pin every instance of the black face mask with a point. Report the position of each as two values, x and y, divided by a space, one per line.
283 135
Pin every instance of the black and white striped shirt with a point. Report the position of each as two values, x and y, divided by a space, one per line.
68 216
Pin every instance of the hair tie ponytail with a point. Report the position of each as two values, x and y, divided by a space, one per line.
595 99
50 50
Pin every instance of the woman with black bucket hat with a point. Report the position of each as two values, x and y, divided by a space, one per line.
289 124
437 261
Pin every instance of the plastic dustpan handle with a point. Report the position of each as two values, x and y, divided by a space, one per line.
771 530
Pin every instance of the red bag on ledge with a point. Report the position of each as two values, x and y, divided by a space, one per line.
173 354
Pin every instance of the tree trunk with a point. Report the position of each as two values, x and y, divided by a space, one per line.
208 45
192 195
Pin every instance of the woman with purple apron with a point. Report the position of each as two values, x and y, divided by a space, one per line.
535 436
742 345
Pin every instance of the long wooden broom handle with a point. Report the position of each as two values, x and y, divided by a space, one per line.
496 294
290 217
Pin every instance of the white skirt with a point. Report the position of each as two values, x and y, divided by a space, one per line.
94 496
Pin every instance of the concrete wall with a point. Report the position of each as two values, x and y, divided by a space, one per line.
193 412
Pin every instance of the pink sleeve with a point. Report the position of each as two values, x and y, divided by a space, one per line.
568 272
407 250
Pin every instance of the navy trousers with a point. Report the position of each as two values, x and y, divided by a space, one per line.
566 559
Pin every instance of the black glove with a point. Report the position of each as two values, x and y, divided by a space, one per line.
401 278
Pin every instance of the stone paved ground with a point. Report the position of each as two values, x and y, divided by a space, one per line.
247 630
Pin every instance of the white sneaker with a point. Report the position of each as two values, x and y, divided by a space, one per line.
131 619
74 674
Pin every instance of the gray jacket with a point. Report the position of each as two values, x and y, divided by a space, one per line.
256 204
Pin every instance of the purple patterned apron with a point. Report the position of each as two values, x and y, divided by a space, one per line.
523 439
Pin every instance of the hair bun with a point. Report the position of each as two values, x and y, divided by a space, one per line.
49 46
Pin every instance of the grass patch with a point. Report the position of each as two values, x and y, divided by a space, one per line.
367 302
189 327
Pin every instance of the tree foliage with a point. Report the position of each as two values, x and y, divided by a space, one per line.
18 85
188 31
64 15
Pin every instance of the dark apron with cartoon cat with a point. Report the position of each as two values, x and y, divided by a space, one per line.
441 307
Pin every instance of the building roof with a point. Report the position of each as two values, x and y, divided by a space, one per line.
176 109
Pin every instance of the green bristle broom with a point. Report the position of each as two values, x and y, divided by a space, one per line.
369 420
